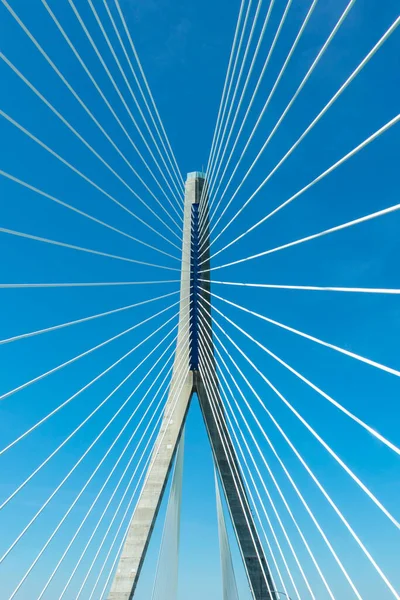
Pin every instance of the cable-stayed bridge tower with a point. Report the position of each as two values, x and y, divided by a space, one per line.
176 408
266 288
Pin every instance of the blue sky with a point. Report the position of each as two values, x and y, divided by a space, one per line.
184 48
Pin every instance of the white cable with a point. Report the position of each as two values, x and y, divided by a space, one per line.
82 284
226 90
315 479
145 469
80 493
43 375
252 478
178 376
219 159
155 428
119 459
369 429
70 436
165 585
116 88
121 70
147 86
254 505
376 134
234 469
332 168
300 87
358 357
87 179
60 485
307 288
121 97
75 358
257 493
82 213
287 506
150 463
73 504
269 470
274 41
37 238
71 128
285 534
77 321
347 469
104 98
260 39
308 238
334 402
119 482
237 481
221 104
83 140
219 137
296 489
175 169
280 75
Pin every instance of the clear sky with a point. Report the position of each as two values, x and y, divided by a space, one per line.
184 47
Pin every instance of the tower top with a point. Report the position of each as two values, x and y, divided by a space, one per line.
196 174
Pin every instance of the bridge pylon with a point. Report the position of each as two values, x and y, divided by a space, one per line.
186 382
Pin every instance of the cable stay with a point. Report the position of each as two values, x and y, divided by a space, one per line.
223 97
360 67
322 489
37 238
83 140
83 214
218 159
121 97
295 556
127 487
75 170
308 481
332 168
78 284
89 74
261 77
146 469
300 87
317 340
274 41
86 352
29 478
128 35
309 288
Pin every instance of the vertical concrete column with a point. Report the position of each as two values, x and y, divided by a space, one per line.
142 524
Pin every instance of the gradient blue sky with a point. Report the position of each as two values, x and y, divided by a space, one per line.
184 47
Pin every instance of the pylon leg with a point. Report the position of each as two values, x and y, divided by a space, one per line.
142 524
236 498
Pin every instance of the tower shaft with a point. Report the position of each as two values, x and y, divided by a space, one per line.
186 380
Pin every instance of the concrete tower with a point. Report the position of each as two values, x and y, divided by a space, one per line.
180 394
